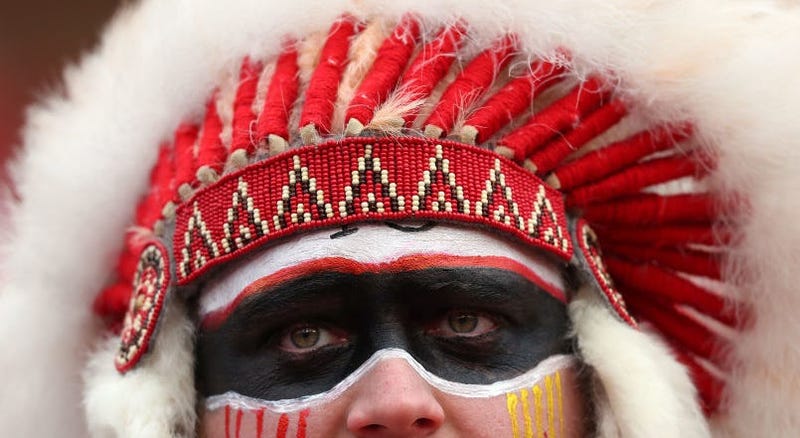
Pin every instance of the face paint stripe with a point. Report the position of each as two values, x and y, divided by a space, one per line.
259 422
548 383
283 426
559 394
526 413
442 239
239 414
511 404
301 423
545 367
537 406
414 262
227 422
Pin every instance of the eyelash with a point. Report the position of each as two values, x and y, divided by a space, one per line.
330 335
451 324
455 324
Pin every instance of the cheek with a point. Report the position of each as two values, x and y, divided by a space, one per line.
552 407
229 422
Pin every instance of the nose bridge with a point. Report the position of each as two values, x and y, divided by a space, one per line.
397 376
393 400
383 315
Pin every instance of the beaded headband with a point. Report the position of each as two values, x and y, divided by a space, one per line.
371 123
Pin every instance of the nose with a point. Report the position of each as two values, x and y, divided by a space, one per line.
392 400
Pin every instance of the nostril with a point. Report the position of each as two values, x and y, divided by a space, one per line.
373 427
424 423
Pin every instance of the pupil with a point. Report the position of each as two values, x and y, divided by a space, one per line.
305 337
463 322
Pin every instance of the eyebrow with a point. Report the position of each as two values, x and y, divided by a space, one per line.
313 270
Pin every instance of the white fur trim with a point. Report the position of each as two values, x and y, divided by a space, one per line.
730 66
647 393
156 398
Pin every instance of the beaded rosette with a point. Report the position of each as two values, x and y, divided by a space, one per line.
150 285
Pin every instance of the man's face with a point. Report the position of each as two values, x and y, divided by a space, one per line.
388 330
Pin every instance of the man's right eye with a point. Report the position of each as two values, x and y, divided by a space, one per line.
462 324
307 337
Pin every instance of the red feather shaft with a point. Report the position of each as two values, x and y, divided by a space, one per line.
552 154
513 99
185 161
161 183
666 285
243 116
687 333
652 209
430 66
619 155
323 86
558 117
633 179
380 80
470 84
684 260
211 152
676 236
281 94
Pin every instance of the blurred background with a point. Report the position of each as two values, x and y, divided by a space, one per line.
37 38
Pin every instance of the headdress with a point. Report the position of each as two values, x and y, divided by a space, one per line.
442 119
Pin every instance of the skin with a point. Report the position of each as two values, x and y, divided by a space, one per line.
289 336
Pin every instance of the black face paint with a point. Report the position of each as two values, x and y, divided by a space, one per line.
431 313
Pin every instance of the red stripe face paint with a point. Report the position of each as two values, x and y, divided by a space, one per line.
283 426
259 422
404 264
301 423
443 245
227 421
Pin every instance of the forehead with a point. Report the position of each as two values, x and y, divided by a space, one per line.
378 245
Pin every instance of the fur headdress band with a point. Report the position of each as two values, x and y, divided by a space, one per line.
386 114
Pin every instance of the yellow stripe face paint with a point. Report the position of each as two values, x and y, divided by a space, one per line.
526 414
548 384
560 398
552 408
511 403
537 403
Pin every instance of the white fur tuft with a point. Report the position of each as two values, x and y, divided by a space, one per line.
156 398
645 392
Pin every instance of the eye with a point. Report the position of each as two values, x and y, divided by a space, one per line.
307 337
463 323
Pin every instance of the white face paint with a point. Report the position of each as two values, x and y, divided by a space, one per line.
549 366
375 244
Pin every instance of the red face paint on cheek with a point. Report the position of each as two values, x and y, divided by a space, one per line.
230 422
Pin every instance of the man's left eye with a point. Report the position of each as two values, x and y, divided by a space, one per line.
462 323
306 337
